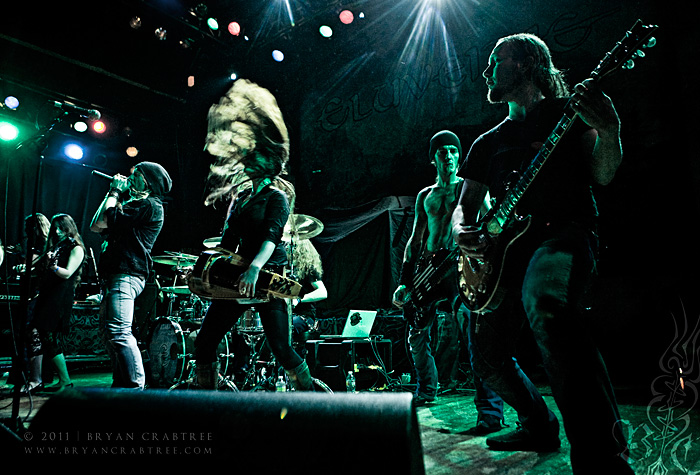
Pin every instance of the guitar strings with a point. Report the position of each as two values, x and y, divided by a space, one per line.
426 273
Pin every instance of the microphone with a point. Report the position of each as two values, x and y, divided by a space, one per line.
68 107
102 175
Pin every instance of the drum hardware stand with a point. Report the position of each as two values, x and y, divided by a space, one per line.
253 341
171 297
268 383
223 383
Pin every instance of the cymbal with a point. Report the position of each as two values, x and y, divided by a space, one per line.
302 226
175 259
179 290
212 242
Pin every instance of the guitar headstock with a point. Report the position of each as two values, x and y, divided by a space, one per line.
631 47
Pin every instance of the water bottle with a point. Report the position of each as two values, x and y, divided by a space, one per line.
280 385
350 382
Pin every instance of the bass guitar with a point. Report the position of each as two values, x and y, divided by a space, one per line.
502 226
217 270
421 289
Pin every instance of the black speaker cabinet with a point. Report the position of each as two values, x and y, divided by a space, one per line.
330 361
242 432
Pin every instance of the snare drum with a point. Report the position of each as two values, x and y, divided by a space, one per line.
249 322
193 310
171 349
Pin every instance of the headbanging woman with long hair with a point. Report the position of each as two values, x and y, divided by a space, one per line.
249 140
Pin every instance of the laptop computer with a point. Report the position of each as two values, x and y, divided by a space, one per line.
358 324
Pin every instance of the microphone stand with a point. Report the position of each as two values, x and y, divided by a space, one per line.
39 143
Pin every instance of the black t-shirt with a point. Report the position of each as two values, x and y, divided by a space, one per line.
561 192
131 233
252 222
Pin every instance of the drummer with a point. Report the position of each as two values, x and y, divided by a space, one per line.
308 270
251 146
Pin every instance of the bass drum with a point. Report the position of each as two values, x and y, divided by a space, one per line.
171 350
166 349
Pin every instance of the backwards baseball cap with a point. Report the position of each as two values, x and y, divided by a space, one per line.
442 138
158 179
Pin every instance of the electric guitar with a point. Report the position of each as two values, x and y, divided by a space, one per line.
502 226
421 289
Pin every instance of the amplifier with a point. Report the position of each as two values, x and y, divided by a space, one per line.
330 361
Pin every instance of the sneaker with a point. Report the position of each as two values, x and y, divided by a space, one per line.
524 440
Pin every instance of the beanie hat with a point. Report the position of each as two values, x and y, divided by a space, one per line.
158 179
442 138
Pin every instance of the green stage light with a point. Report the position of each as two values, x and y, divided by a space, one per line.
8 132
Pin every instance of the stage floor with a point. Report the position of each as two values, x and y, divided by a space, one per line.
661 436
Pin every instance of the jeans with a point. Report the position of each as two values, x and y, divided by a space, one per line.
553 283
120 292
489 405
423 362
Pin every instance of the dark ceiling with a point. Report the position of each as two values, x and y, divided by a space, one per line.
89 53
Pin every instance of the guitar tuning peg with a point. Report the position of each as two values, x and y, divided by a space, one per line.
650 43
639 54
629 64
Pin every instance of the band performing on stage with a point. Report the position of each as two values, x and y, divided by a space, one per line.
496 251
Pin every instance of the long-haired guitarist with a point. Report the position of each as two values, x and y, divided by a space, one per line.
429 277
249 140
549 256
62 267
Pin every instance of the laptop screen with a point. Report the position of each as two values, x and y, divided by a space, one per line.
359 323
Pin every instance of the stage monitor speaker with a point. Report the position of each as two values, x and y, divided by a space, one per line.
254 432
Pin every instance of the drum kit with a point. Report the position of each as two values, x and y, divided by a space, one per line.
171 341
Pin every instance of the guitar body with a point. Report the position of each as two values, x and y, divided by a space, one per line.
479 278
425 285
216 273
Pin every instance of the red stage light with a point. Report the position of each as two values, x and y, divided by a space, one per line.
234 28
346 17
99 127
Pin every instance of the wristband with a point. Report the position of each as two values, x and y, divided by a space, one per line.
56 269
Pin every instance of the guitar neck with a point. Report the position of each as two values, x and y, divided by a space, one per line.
622 56
506 209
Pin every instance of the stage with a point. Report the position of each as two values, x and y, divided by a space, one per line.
447 448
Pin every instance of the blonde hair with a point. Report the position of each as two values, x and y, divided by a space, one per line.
306 259
246 126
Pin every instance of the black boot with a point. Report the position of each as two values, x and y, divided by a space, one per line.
301 377
207 375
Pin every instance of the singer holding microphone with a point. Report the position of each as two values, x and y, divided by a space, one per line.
130 224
